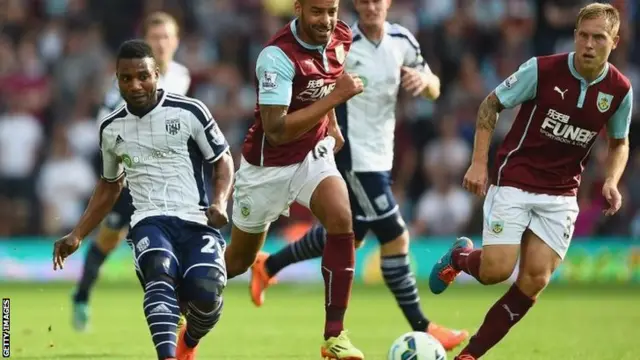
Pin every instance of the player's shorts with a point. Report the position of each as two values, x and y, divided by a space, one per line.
508 211
262 194
373 205
120 215
179 246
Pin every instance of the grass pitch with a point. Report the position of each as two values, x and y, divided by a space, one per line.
585 323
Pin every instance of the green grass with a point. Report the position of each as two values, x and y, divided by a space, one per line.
567 323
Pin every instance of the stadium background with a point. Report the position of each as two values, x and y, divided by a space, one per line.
56 61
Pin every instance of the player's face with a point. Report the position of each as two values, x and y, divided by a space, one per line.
163 39
594 43
137 79
372 12
318 18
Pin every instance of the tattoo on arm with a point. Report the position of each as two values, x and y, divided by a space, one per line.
488 112
272 117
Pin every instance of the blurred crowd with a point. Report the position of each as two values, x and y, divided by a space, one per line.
56 62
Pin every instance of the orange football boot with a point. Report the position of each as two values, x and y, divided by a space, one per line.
183 352
449 339
260 279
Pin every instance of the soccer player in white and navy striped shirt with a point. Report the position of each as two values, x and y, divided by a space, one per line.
386 57
161 140
161 33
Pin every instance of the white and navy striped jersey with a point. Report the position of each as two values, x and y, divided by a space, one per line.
162 154
368 120
177 80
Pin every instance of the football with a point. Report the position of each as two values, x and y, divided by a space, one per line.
416 346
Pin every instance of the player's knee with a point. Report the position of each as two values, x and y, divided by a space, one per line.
396 246
157 265
339 222
204 283
532 284
239 264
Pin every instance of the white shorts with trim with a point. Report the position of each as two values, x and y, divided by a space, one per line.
508 211
262 194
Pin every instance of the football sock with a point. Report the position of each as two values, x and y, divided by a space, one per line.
200 322
469 262
163 314
503 315
310 246
338 261
92 263
402 283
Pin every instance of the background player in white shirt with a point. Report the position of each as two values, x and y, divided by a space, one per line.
367 122
162 140
160 31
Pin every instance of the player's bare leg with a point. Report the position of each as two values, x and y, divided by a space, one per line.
538 262
107 240
330 204
401 282
242 250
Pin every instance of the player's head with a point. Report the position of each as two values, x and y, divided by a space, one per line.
317 18
596 34
160 30
137 73
372 13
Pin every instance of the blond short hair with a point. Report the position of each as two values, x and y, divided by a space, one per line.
598 10
158 18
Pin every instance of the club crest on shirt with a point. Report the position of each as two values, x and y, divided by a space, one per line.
340 54
604 101
172 126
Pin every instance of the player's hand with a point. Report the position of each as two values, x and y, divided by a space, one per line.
64 247
475 180
348 86
414 81
613 197
217 214
335 132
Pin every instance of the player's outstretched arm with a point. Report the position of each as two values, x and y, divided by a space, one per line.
104 197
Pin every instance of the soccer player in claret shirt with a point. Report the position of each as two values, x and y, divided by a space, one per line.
288 154
530 209
162 140
368 122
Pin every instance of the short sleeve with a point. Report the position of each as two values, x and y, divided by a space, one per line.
521 86
275 73
618 126
112 168
207 134
413 55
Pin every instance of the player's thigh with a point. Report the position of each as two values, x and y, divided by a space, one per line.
553 221
242 250
154 250
506 217
538 261
202 264
318 186
260 196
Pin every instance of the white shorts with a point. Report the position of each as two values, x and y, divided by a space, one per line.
508 211
262 194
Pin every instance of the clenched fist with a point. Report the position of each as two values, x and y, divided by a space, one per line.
348 86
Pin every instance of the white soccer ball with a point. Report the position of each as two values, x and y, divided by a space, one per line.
416 346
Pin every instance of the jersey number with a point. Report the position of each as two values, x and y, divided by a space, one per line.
410 353
212 245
